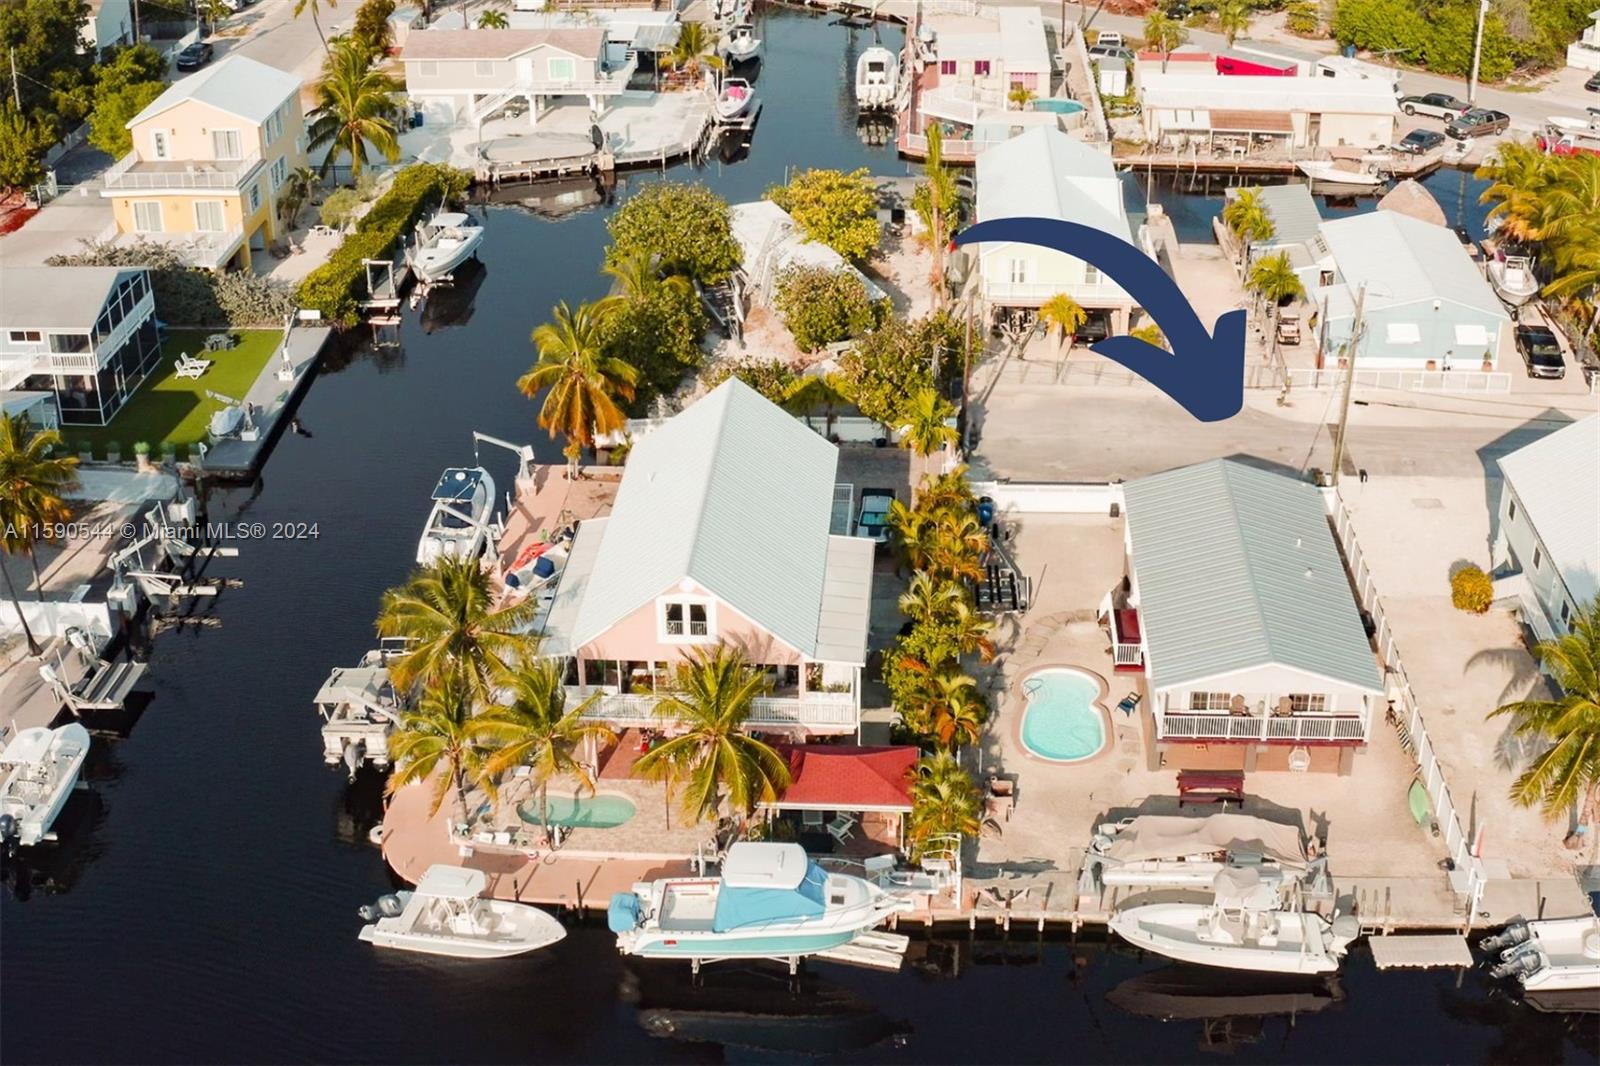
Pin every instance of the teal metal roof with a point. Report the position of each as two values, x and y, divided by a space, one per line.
1403 260
1294 213
1237 569
1557 478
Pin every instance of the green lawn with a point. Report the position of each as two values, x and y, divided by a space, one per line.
171 410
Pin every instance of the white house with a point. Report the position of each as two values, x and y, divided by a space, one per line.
110 23
1238 608
1547 535
1584 53
467 75
1425 301
1049 174
1291 112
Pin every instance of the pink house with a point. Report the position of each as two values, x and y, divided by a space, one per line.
723 532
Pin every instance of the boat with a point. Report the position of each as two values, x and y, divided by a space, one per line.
360 709
1341 172
734 100
444 242
1550 955
770 902
446 915
1512 278
1172 851
458 525
1244 928
41 765
877 79
741 45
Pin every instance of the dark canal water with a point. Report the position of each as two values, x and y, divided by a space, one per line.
201 906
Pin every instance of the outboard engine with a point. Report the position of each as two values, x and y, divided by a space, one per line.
8 831
352 756
1345 928
1516 932
1523 965
390 905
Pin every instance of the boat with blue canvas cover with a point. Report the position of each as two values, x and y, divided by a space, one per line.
459 524
770 902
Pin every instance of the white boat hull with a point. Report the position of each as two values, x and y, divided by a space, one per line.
511 929
1515 288
877 79
1566 952
438 261
1326 173
35 793
1175 931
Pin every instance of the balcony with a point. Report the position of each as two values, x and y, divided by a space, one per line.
814 712
132 174
1284 728
1034 293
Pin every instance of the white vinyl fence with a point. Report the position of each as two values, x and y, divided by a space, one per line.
1044 497
1474 381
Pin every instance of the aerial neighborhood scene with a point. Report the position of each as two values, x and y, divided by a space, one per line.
693 531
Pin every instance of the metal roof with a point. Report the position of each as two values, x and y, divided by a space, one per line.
1361 96
501 44
846 601
1022 41
1404 260
236 84
59 298
1557 478
1237 569
770 240
1046 173
1294 213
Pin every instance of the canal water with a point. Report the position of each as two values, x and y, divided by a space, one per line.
201 905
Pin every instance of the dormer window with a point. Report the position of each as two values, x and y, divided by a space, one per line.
686 619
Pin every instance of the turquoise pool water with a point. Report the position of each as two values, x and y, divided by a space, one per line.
604 811
1061 721
1059 105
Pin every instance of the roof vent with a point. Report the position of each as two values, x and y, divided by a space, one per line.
1298 543
1310 573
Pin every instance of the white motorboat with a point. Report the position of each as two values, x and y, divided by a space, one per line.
1512 278
361 710
1243 928
445 915
1172 851
770 902
40 765
444 242
741 45
459 524
877 78
1552 955
1341 172
734 100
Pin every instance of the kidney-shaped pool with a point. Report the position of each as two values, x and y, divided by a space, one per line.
1061 721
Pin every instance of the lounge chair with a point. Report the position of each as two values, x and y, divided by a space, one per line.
1130 703
811 819
842 828
189 367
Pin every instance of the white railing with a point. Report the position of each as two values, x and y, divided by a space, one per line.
126 175
607 84
1411 380
961 103
1127 655
816 711
1295 727
1040 291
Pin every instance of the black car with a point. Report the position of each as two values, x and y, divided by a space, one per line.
1593 84
195 56
1479 122
1541 351
1437 105
1419 141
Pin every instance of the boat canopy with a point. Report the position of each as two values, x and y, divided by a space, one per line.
452 882
1244 888
28 747
458 483
757 865
451 220
739 907
1157 836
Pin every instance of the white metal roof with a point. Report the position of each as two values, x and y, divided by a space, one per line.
1046 173
1557 478
846 600
1404 260
1022 41
61 298
1364 96
452 882
236 84
1237 569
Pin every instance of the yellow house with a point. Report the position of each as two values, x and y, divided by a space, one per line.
209 158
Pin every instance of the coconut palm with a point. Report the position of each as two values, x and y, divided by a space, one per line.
356 110
1273 279
934 201
32 481
1151 334
944 802
302 6
925 426
696 49
1164 33
1233 18
1519 184
447 610
493 19
533 727
712 758
583 382
1246 215
437 742
1064 316
636 279
1565 775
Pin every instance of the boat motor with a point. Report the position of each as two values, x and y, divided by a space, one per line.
1523 965
388 906
352 756
1516 932
8 829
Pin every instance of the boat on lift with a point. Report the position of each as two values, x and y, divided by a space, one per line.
444 242
446 915
735 100
360 708
741 45
877 79
1553 955
1513 279
770 902
459 524
40 765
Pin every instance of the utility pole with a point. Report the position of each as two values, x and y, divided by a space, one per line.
135 21
1349 379
1477 52
16 90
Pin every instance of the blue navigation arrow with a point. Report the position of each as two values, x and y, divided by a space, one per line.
1204 371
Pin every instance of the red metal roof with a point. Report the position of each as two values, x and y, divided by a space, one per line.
848 777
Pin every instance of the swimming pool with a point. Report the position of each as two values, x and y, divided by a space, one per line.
1061 722
606 810
1059 105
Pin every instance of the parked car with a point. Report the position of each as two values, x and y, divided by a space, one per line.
1541 351
1111 51
1434 105
1418 142
1288 329
195 56
1593 84
1479 122
873 521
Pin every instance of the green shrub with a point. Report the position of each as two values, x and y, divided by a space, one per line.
769 377
833 208
1303 18
339 208
189 297
821 306
141 447
1471 590
686 229
893 363
659 335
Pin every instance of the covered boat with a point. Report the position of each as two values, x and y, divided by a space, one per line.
446 915
877 79
40 765
459 524
1176 851
735 100
444 242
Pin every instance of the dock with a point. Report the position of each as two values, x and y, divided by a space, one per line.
637 130
1420 952
272 396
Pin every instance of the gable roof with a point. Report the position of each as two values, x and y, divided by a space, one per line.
1045 173
1557 478
1237 569
1404 260
501 44
236 84
845 776
736 496
1294 213
63 297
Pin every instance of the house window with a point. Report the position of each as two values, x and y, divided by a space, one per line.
428 68
1091 274
225 144
1566 613
1025 81
25 336
158 143
280 172
1209 701
147 216
208 216
1308 702
255 195
947 66
274 127
1537 558
562 69
484 68
686 619
1511 510
69 343
1018 273
980 68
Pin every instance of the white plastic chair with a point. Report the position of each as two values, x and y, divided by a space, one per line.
842 828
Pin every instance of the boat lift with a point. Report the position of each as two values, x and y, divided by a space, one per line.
525 463
136 575
83 681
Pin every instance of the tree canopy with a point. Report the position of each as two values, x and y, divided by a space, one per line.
687 229
822 306
833 208
895 361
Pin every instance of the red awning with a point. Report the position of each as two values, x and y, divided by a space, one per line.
847 777
1128 626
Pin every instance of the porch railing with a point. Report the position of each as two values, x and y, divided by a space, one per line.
1295 727
133 174
834 712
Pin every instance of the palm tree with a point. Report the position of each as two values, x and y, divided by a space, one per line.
935 203
946 704
1519 182
355 109
957 546
1020 95
1246 215
437 741
712 756
212 11
1151 334
1566 774
1272 278
296 192
534 728
1233 18
32 482
1065 316
493 19
811 391
636 279
927 426
582 380
929 602
447 610
946 492
301 6
696 48
1164 33
944 802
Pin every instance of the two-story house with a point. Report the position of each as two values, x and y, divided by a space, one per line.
720 534
209 158
85 335
1049 174
465 76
